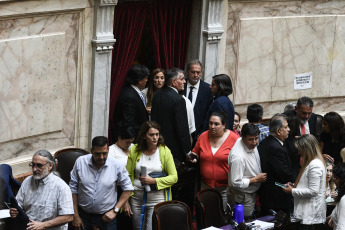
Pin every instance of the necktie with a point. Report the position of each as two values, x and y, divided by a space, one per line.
303 131
142 98
190 95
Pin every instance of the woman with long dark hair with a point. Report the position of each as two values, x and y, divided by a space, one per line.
332 137
155 82
310 187
149 152
337 218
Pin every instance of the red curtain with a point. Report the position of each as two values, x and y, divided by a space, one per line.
129 18
170 23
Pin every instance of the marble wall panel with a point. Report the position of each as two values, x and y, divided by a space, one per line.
272 50
32 101
39 62
270 41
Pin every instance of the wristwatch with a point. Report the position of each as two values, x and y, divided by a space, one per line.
116 210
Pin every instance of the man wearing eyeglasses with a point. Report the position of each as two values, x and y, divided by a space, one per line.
45 198
94 181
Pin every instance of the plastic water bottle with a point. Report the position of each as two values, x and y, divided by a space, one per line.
238 213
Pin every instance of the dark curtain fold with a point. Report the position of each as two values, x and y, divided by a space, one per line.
129 19
170 23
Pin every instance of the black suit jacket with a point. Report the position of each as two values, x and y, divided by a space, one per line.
315 129
203 101
275 161
130 110
169 111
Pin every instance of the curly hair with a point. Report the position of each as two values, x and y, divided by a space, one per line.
339 173
146 126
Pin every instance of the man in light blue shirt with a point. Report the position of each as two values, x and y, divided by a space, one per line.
93 184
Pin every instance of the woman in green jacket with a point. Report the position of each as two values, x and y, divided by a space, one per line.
150 152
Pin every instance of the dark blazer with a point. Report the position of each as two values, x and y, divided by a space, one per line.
275 161
221 103
169 111
203 101
130 110
315 128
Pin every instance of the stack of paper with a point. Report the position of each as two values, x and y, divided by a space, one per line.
264 225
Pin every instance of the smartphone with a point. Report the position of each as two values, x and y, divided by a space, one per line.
280 185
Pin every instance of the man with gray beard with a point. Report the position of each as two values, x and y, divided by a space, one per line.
45 198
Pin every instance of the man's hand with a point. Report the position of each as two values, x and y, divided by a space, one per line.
127 209
35 225
109 216
330 223
77 222
192 157
261 177
328 157
13 212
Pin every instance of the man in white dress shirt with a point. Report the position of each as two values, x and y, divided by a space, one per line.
245 171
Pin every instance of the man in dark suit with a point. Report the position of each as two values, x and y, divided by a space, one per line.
275 161
169 111
200 94
301 121
310 123
130 108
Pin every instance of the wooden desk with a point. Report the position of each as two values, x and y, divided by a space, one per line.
292 226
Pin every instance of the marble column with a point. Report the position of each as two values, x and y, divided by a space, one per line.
212 33
103 41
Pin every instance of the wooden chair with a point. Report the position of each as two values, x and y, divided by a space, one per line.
65 159
209 209
171 215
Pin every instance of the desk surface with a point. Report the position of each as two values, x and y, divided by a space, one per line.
264 218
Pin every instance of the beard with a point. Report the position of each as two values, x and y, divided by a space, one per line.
37 175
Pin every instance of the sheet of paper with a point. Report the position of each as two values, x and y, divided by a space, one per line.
211 228
264 225
303 81
4 213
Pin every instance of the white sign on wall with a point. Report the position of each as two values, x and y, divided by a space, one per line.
303 81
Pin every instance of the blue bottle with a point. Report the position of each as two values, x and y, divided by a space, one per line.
238 213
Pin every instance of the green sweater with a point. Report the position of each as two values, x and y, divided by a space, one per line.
167 164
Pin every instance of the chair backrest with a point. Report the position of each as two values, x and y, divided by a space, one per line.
209 209
65 159
171 215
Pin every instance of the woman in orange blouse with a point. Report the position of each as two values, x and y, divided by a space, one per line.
212 150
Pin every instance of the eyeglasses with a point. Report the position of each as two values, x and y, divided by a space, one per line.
38 165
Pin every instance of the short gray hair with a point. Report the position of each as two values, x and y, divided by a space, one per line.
277 122
172 73
49 157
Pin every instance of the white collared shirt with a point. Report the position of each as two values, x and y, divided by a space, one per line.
244 164
45 199
195 91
